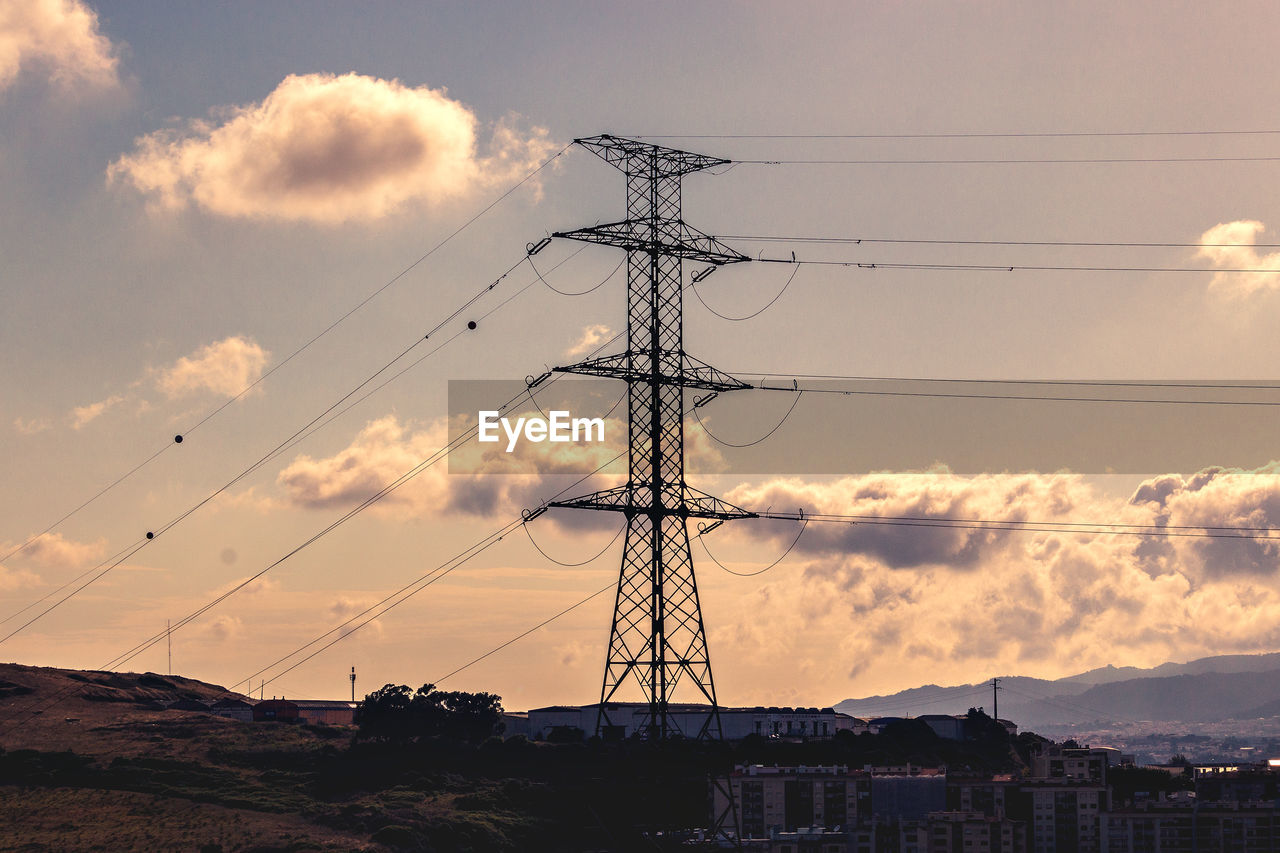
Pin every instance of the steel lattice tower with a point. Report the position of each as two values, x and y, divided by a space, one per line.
657 636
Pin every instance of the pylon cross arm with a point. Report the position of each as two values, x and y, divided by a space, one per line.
662 237
641 158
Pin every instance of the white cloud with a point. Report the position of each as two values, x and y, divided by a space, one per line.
592 337
82 416
225 367
328 149
58 38
1231 245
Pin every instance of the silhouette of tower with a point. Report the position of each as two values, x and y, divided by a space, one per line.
657 637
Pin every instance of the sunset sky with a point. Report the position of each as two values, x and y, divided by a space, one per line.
191 192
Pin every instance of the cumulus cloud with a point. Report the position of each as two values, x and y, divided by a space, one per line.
55 551
82 416
56 38
925 601
494 483
328 149
1232 245
592 337
224 367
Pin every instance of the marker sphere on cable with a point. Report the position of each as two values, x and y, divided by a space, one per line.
150 535
471 324
177 439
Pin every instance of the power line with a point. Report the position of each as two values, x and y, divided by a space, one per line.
1106 383
766 306
857 241
521 636
795 389
702 539
406 592
1009 161
762 438
590 559
900 265
591 289
1102 529
964 134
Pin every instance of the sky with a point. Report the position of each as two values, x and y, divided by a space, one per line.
217 220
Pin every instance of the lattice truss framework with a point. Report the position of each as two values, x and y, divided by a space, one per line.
657 638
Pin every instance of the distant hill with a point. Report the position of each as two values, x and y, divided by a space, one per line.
1208 689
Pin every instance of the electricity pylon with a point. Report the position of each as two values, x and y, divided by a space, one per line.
657 637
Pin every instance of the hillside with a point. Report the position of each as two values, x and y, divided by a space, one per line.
1208 689
102 768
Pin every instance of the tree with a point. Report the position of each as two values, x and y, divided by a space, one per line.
394 713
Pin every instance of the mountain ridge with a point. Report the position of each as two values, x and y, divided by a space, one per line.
1205 689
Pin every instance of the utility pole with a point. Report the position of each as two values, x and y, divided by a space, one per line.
353 684
995 698
168 630
657 636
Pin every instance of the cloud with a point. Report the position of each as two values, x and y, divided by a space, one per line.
328 149
1231 245
55 551
32 426
1217 497
223 628
386 448
225 367
906 602
58 38
82 416
592 337
13 579
259 586
930 495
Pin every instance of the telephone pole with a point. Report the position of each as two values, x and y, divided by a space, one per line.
995 698
657 636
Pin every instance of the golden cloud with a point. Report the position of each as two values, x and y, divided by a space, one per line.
592 337
385 449
328 149
82 416
1231 245
224 367
59 38
915 603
